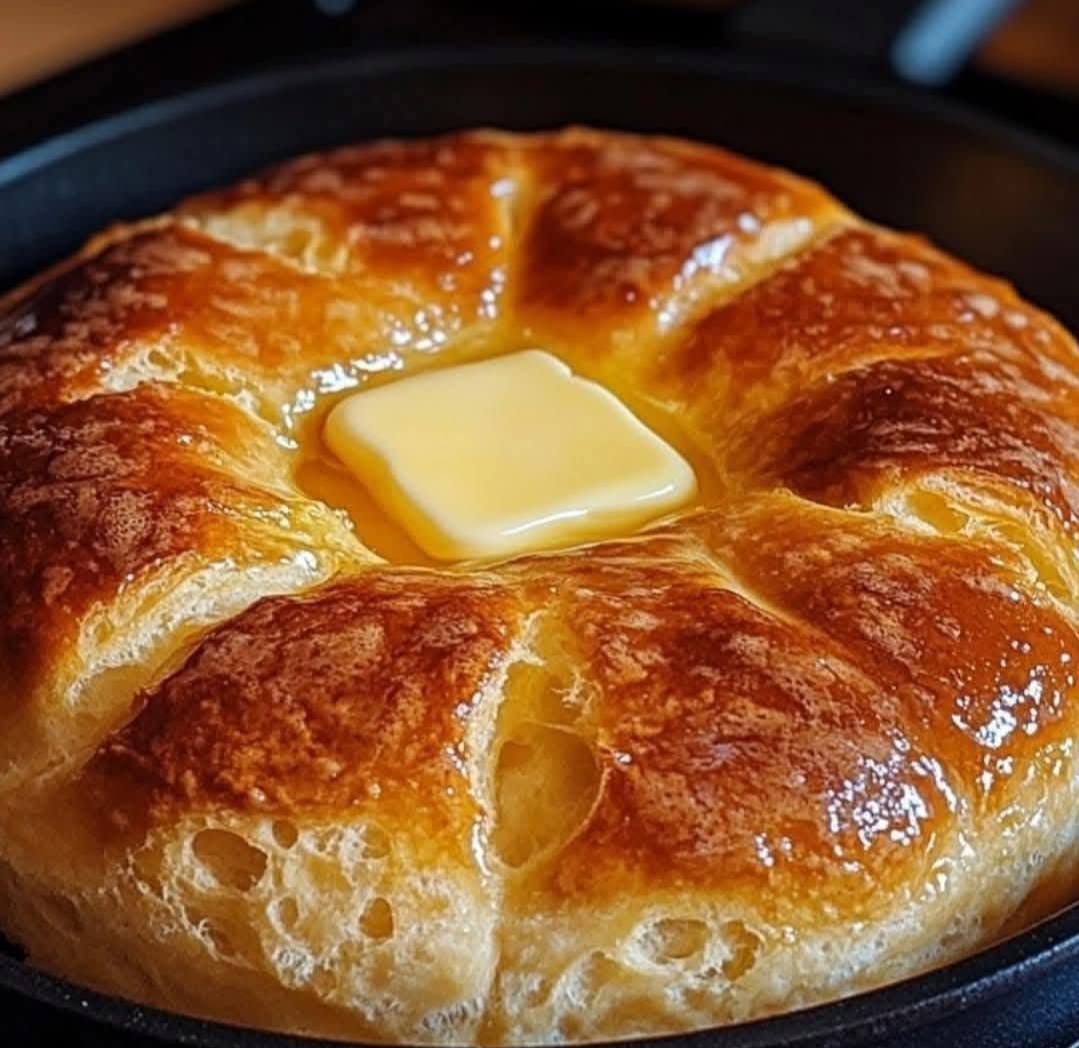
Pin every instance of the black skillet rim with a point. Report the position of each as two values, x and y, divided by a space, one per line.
894 1008
849 86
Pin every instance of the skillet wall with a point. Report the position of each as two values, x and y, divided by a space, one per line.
1005 203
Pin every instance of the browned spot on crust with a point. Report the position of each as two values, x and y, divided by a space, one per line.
861 292
623 223
864 296
982 670
420 229
360 694
156 305
840 441
373 253
737 747
96 495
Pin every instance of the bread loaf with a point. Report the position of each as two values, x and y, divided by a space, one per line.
813 734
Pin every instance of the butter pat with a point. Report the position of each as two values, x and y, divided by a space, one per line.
505 456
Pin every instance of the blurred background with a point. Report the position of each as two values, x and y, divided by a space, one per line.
63 62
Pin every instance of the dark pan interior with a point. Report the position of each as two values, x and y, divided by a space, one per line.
1002 200
1005 202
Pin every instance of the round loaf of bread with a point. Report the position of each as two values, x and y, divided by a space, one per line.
813 734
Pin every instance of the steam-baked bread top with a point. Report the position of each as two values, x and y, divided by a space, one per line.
809 735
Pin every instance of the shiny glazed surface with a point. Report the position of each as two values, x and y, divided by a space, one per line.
812 734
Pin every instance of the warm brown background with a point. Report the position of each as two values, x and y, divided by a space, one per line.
39 37
1038 43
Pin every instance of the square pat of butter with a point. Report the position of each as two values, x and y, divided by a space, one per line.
504 456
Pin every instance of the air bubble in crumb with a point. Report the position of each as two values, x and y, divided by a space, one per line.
674 939
376 843
211 932
229 859
159 361
537 991
743 946
285 833
546 782
376 921
288 913
220 939
596 971
323 982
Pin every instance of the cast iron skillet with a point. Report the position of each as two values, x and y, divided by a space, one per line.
1001 199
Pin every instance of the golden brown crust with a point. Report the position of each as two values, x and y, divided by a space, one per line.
980 664
97 494
821 699
126 519
429 216
618 219
626 234
170 303
901 419
873 350
860 295
361 692
741 750
413 242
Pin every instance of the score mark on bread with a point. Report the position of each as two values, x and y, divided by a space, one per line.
810 731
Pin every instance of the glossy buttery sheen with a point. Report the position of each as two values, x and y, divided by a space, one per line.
809 733
507 455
